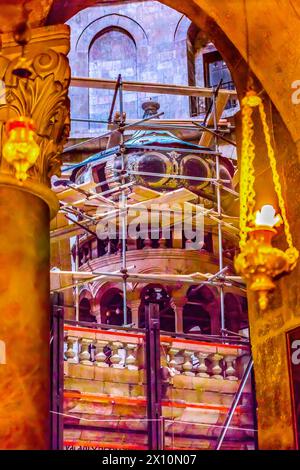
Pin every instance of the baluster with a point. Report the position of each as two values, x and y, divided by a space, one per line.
100 356
131 356
89 252
162 243
85 356
173 364
216 369
131 244
189 245
176 235
94 249
188 364
230 371
119 246
202 367
70 353
147 243
115 357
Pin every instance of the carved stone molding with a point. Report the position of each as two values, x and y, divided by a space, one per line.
43 97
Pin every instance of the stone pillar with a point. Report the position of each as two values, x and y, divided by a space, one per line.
60 257
134 305
25 213
179 315
179 300
95 309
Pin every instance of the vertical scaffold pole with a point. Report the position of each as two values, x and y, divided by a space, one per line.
152 350
234 404
219 210
76 282
123 211
57 370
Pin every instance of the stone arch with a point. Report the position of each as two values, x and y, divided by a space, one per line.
276 75
109 298
217 20
100 288
181 30
85 293
80 54
113 50
85 310
235 312
108 30
199 312
167 312
111 21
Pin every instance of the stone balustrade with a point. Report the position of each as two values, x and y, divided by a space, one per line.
124 350
105 379
206 360
100 348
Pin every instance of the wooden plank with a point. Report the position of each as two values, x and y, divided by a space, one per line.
73 194
170 124
141 193
157 88
221 101
179 196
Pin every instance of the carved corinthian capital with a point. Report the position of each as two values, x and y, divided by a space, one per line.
43 97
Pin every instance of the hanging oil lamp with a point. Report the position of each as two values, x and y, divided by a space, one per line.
21 150
258 261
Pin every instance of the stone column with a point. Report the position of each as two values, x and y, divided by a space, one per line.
134 305
95 309
179 314
25 212
179 301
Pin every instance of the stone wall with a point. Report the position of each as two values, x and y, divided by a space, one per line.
145 41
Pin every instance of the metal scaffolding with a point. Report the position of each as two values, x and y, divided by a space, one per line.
81 221
79 218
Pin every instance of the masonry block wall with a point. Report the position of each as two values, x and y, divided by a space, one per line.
145 41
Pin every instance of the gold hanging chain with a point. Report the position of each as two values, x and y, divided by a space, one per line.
247 196
247 191
275 175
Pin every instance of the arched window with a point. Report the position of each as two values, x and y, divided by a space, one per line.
111 306
112 51
206 68
236 317
85 311
196 316
167 314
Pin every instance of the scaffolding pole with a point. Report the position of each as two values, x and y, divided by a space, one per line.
144 87
221 279
234 405
76 284
194 278
219 208
122 209
123 203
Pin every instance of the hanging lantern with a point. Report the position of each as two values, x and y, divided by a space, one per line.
20 149
259 262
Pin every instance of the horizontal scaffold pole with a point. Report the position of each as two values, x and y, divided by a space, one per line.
144 87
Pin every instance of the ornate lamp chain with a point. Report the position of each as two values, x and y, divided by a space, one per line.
247 197
292 252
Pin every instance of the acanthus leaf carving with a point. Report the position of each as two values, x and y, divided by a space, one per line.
43 97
